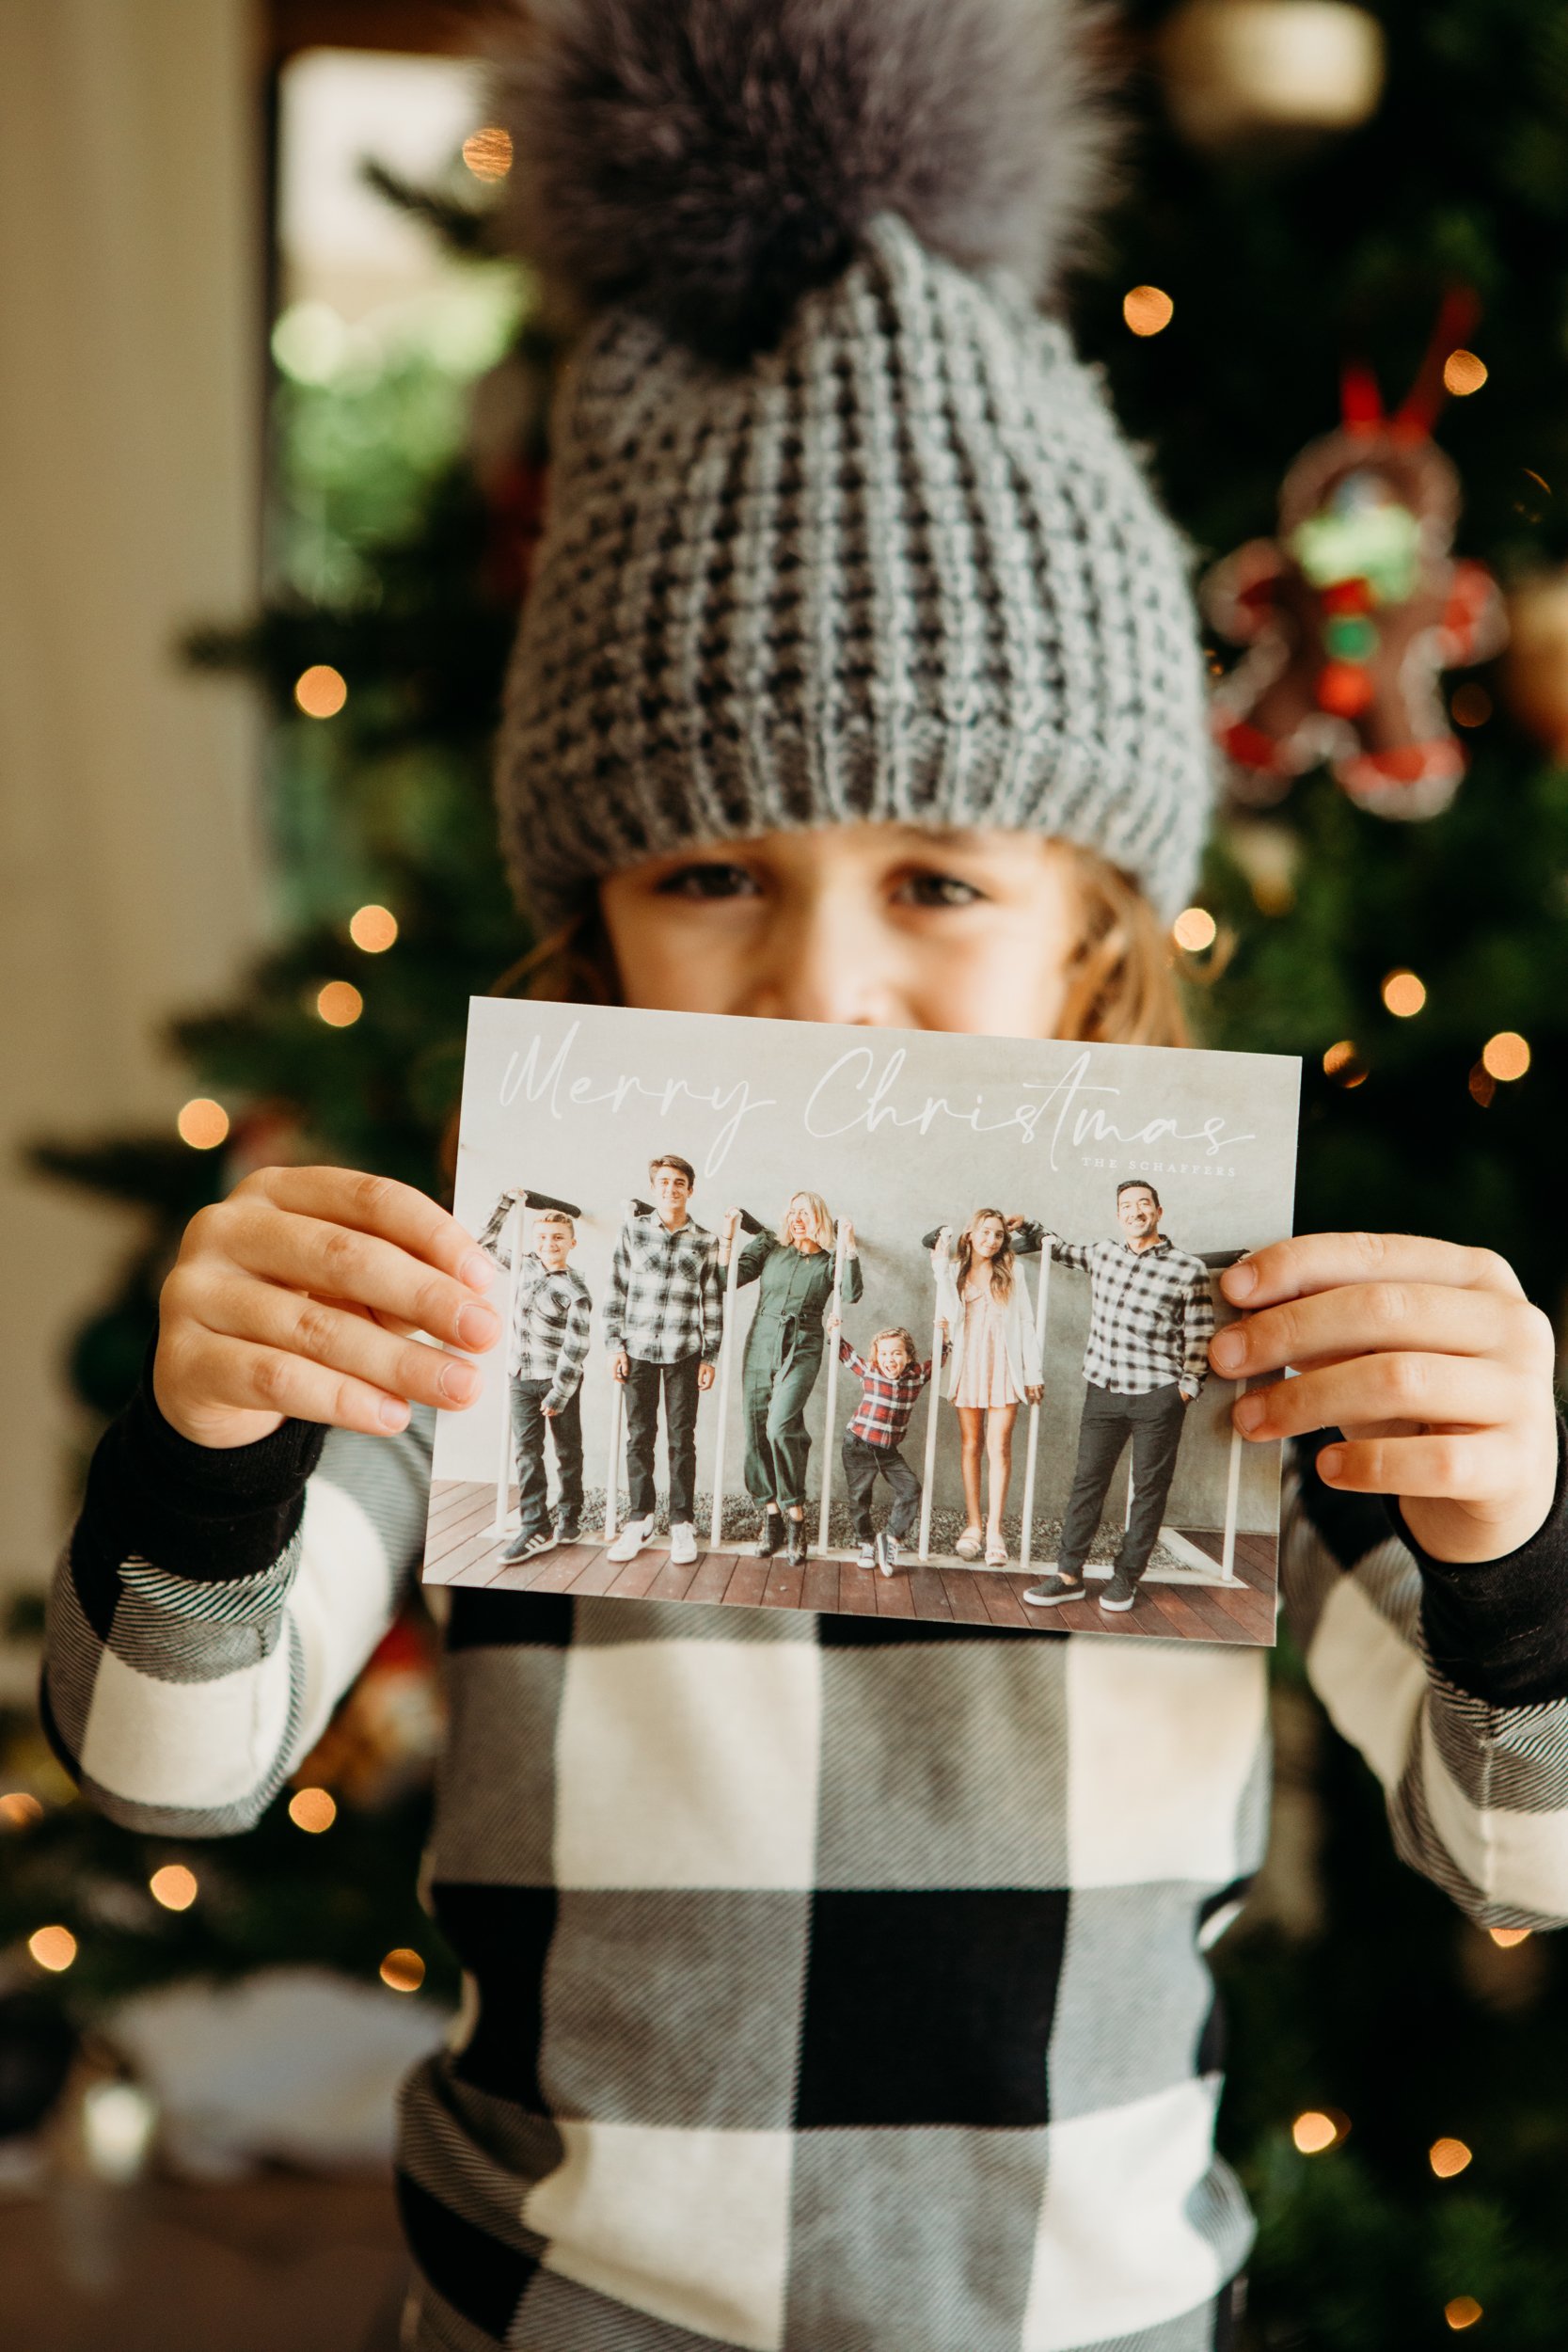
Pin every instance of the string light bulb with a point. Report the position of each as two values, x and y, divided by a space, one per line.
53 1947
1343 1064
372 929
1505 1056
1448 2157
340 1003
403 1969
1148 309
1464 374
1195 929
1403 994
1313 2132
1461 2312
488 153
202 1123
312 1810
320 691
174 1886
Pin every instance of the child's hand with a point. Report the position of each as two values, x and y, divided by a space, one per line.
835 1321
1428 1356
707 1374
297 1297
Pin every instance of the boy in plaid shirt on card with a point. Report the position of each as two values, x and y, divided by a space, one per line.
546 1349
893 1380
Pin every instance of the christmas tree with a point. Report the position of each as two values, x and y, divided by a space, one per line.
1287 211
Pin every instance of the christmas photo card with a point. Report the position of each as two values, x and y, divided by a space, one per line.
889 1323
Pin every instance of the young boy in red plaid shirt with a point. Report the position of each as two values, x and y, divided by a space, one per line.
893 1381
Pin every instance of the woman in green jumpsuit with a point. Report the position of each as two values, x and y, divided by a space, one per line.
784 1356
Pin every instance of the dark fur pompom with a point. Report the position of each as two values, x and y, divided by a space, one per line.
709 160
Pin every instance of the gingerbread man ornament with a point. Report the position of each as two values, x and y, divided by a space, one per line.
1353 613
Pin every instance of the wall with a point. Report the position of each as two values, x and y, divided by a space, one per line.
130 382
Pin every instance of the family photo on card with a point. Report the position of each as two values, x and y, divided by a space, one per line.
914 1326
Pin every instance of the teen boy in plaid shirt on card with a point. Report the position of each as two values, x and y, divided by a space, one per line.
663 1324
892 1383
1151 1318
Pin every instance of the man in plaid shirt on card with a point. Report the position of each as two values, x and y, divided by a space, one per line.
893 1381
663 1324
1151 1318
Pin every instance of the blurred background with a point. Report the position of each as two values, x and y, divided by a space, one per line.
272 444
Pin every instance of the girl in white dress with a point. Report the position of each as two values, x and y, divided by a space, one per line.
994 1368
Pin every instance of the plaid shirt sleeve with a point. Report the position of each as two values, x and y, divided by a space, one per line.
574 1348
1197 1330
712 1304
492 1240
615 1306
850 1355
1080 1254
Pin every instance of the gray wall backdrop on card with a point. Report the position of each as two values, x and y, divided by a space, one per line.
900 1131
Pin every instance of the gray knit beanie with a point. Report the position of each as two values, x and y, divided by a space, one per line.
839 528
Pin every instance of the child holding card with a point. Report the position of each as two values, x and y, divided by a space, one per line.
824 1986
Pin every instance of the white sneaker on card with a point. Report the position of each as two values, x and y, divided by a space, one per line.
629 1542
683 1545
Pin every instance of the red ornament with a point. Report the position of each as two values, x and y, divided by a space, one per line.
1361 565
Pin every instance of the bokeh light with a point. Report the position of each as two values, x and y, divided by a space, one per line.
1343 1064
1505 1056
340 1003
1148 309
373 929
1471 706
312 1809
1506 1938
1463 374
1463 2312
1447 2157
403 1969
202 1123
53 1947
20 1809
320 691
174 1886
488 153
1195 929
1403 995
1314 2131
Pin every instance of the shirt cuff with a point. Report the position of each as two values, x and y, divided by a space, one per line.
1499 1629
212 1514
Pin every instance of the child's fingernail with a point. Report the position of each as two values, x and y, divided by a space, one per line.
1237 1280
461 1382
477 1270
1331 1461
476 1326
1248 1411
1226 1350
392 1412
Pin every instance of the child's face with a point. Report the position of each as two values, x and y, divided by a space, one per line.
987 1237
892 1358
553 1244
884 924
672 1190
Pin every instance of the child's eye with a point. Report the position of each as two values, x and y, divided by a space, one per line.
938 890
708 878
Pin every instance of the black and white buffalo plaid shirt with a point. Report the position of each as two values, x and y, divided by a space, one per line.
550 1319
830 1982
666 1292
1152 1314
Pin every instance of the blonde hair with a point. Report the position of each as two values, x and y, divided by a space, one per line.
556 1216
823 1223
1001 1266
1121 983
905 1339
